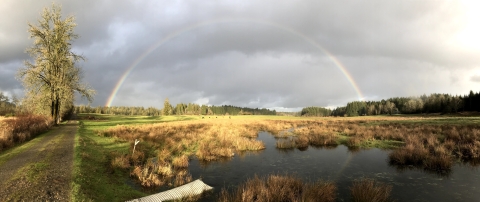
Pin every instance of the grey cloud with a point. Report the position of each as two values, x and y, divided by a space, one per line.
475 78
256 54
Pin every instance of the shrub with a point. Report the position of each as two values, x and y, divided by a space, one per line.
368 190
22 128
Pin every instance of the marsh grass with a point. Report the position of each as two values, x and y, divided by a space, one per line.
280 188
285 144
180 161
417 142
302 142
369 190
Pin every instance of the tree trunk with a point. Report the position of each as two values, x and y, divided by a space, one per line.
56 111
52 109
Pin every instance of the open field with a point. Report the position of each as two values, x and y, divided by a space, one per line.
103 154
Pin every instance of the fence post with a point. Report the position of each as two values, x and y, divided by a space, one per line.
136 142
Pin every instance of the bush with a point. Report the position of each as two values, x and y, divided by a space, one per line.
368 190
22 128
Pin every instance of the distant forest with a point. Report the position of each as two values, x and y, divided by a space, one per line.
7 106
434 103
179 109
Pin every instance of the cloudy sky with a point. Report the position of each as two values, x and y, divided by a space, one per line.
275 54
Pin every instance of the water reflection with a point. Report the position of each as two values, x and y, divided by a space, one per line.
341 165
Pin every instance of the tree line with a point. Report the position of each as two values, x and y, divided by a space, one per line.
315 111
7 106
119 110
179 109
434 103
196 109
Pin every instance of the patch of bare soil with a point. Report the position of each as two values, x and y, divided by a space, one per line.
42 172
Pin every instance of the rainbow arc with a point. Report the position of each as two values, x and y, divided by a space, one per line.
179 32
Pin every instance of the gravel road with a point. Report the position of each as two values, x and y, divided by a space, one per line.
43 172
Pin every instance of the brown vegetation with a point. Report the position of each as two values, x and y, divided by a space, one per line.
280 188
426 146
174 142
368 190
21 129
180 162
285 143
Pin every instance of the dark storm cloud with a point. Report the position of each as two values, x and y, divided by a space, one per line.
251 53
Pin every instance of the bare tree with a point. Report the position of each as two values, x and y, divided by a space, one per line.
53 77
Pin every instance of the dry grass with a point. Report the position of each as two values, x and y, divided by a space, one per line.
21 129
2 118
316 134
121 161
285 144
301 142
368 190
180 162
280 188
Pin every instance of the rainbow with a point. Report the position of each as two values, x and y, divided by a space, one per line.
345 164
229 20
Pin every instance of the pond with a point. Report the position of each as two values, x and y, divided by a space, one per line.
342 167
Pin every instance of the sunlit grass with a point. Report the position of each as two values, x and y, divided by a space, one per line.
95 178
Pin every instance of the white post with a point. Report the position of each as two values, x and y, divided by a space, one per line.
136 142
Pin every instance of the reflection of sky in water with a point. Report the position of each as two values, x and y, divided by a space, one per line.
341 166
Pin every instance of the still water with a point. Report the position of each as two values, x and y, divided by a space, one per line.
342 167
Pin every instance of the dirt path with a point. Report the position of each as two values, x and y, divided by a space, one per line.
43 172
